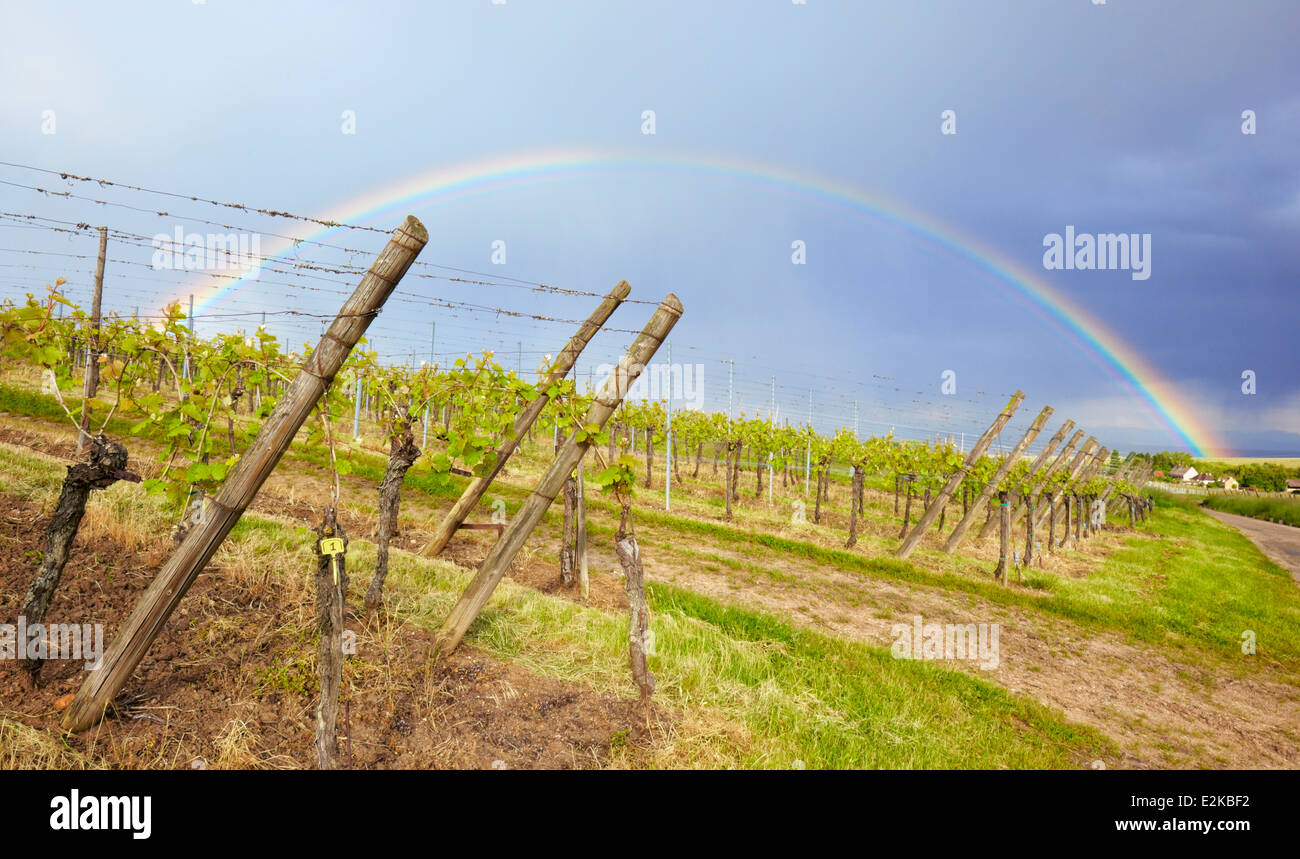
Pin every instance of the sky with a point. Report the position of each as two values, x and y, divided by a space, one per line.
1115 117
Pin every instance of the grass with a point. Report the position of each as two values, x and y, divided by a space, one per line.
745 689
1284 509
1201 586
1284 461
24 747
799 695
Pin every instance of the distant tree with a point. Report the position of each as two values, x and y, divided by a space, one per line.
1264 476
1167 460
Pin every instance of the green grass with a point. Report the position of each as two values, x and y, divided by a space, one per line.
1284 461
802 696
1201 586
23 401
1275 508
831 702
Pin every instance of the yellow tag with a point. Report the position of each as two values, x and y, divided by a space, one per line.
332 547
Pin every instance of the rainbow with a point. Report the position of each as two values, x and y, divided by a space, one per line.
443 185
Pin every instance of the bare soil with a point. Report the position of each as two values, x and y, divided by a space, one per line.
230 681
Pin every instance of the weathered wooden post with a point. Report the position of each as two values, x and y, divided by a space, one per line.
1004 520
932 512
223 511
968 518
584 581
1061 459
1126 470
1088 473
563 364
1079 463
503 552
331 595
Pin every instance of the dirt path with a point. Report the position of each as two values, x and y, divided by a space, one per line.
1163 710
1281 543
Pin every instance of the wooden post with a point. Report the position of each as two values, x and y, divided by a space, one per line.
1098 462
1077 465
1088 473
584 582
1122 474
1061 458
331 595
638 629
569 535
932 512
222 512
504 550
92 344
968 517
1004 519
479 485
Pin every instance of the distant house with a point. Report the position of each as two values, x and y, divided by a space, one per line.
1202 479
1160 474
1229 482
1184 473
1293 485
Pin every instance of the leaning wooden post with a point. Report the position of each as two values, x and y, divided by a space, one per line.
1061 459
1112 482
223 511
1103 454
1081 461
959 533
932 512
1125 470
508 545
479 485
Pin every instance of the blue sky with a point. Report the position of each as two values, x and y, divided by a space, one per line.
1115 117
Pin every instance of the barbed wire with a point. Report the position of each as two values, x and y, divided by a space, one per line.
297 267
519 283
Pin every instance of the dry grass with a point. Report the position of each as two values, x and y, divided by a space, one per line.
27 748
